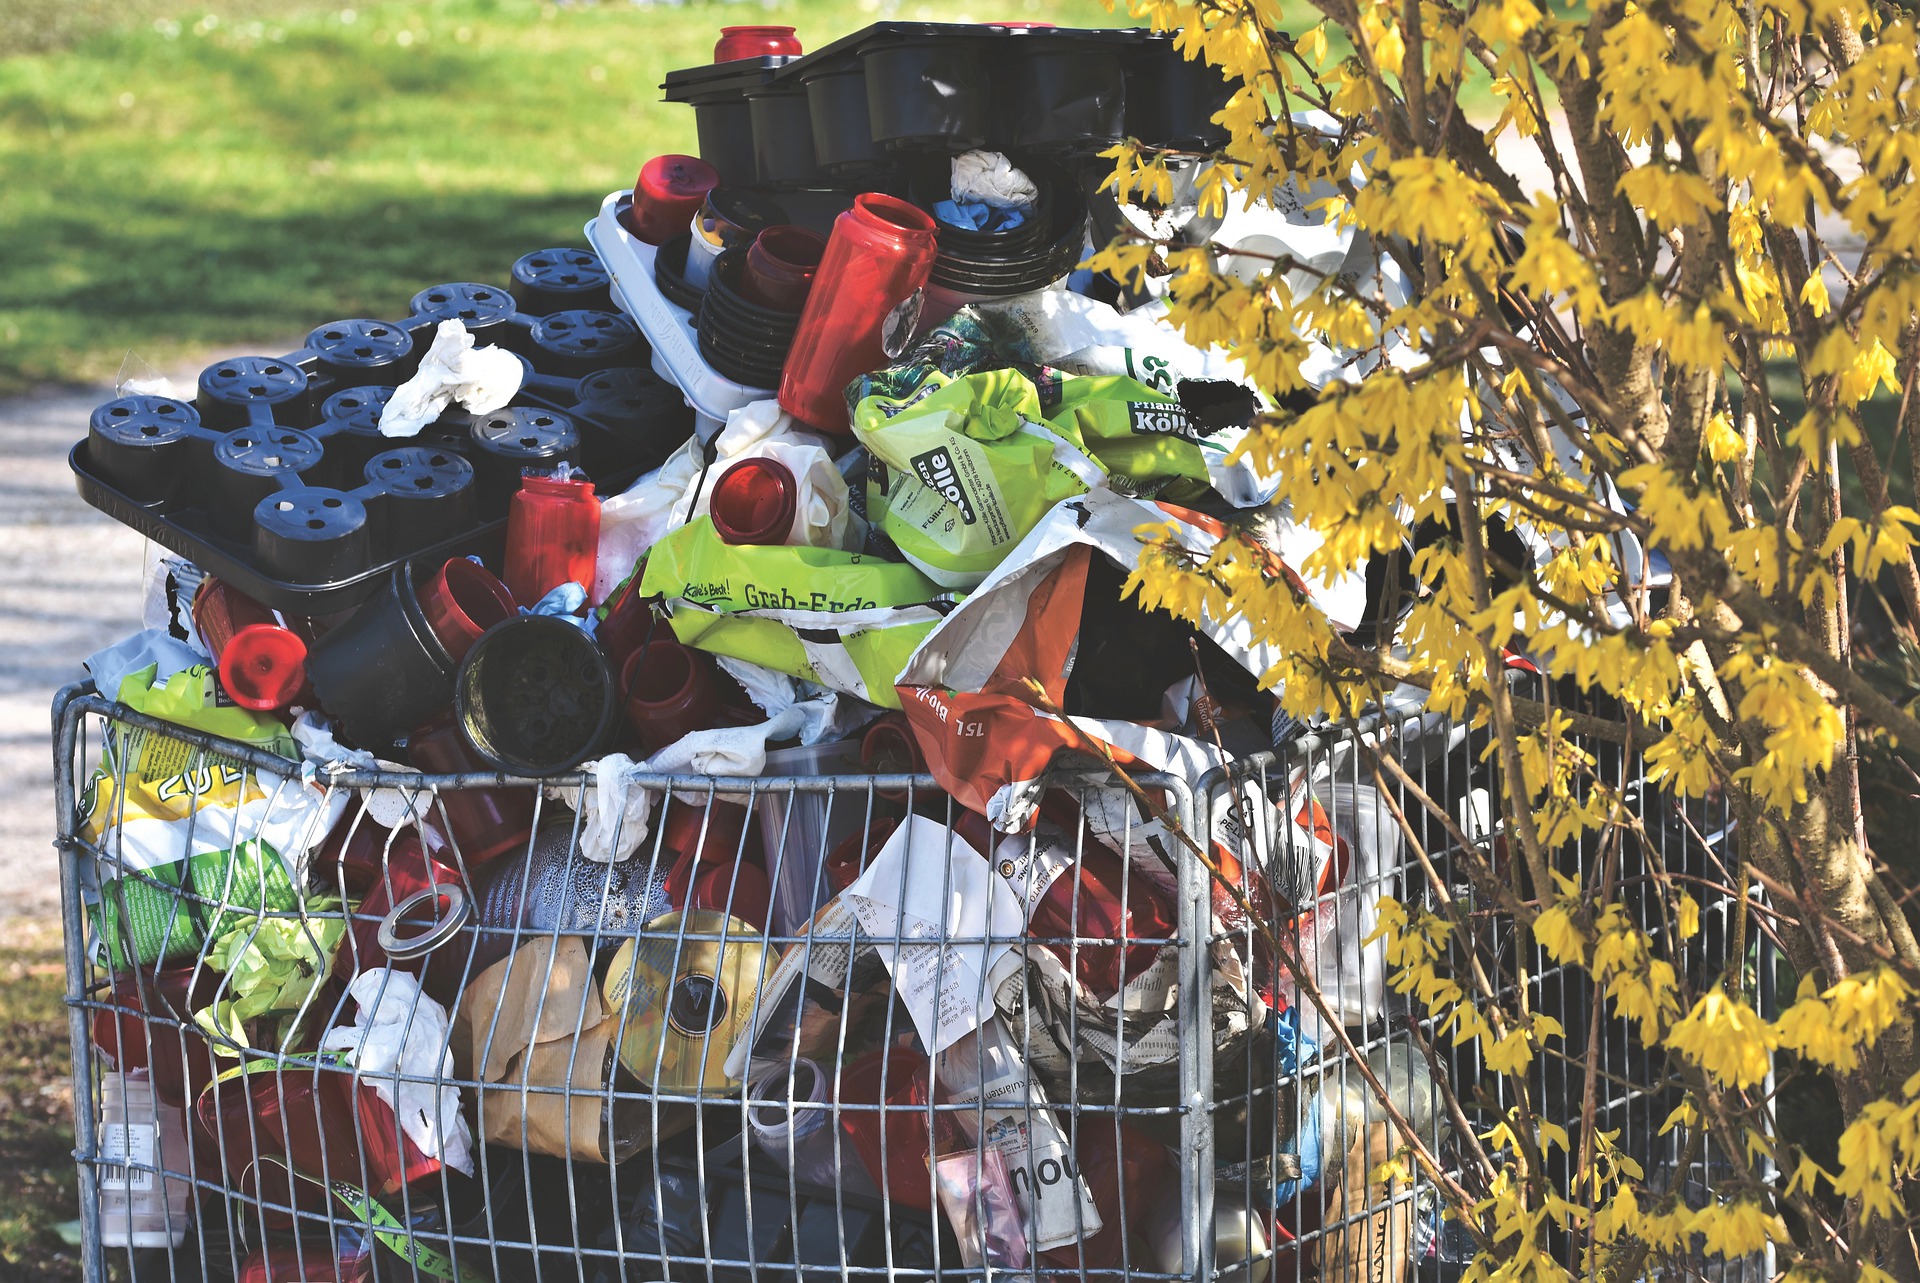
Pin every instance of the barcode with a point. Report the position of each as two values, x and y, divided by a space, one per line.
121 1176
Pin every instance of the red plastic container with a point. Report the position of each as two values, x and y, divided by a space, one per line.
753 502
901 1132
881 251
780 265
485 823
669 690
553 532
462 600
667 194
736 43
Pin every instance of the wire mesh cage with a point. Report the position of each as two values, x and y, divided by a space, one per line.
370 1024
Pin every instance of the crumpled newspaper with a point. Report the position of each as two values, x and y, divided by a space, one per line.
480 379
400 1031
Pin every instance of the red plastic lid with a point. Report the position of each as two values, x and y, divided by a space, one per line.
263 667
754 502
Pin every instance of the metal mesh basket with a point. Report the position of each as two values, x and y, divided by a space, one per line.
815 1026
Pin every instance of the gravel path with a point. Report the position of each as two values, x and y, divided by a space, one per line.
70 582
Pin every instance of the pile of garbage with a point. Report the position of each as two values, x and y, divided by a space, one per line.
828 461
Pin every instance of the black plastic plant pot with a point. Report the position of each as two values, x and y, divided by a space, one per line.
350 426
364 351
507 442
749 371
725 297
312 535
843 143
561 280
421 493
1171 101
580 342
534 696
146 446
725 131
248 465
670 274
382 672
248 388
628 397
1060 96
744 349
782 137
1062 251
1007 244
930 93
485 310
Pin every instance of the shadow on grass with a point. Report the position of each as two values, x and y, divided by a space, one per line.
189 277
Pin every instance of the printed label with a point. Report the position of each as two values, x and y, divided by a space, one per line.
126 1157
936 469
1161 419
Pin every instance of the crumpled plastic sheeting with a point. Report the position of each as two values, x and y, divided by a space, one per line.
398 1029
654 506
112 666
480 379
618 809
989 178
388 807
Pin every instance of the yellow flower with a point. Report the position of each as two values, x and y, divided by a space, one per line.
1726 1038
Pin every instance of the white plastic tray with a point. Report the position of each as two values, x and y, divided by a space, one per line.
669 329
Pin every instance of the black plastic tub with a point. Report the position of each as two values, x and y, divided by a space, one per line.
382 672
783 154
928 92
843 143
1170 101
721 119
534 696
1064 94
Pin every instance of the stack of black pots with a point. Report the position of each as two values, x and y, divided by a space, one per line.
742 340
1044 247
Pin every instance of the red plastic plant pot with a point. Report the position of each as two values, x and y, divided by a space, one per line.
889 748
753 502
308 1260
667 194
264 667
484 823
900 1078
780 267
881 251
736 43
139 1031
669 691
462 600
411 874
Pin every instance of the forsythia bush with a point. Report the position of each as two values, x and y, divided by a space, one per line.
1583 358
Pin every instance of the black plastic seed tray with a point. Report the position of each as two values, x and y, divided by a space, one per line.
854 110
276 479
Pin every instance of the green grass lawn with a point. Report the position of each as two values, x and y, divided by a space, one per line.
179 176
